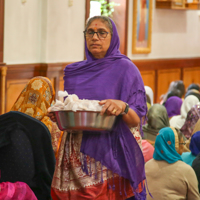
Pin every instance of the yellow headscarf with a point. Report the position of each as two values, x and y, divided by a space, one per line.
35 99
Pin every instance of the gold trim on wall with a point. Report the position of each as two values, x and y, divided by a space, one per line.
138 46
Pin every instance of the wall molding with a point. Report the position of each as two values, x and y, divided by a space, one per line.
157 64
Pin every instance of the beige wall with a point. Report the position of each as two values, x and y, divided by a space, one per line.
52 31
43 31
175 34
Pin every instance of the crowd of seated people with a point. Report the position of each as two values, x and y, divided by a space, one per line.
173 171
170 144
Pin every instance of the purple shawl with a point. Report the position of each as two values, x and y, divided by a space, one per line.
173 106
194 144
112 77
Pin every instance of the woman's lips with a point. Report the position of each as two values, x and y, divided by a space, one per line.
95 45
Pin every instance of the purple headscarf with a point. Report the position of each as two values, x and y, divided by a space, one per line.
192 118
173 106
194 144
112 77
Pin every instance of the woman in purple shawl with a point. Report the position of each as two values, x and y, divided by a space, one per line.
107 165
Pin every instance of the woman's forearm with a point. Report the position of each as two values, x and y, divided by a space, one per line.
131 118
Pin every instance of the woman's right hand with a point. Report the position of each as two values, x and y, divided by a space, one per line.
52 116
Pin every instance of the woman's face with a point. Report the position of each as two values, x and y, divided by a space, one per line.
98 46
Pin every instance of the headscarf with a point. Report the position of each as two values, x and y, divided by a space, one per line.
191 120
195 143
149 92
147 150
157 119
173 106
166 146
194 92
195 166
179 120
35 99
112 77
193 86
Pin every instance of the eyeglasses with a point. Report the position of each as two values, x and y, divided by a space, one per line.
183 143
100 34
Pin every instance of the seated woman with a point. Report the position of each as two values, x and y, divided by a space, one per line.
34 100
157 119
196 167
173 106
192 118
188 157
179 120
167 175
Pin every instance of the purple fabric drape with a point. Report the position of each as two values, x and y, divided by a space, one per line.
112 77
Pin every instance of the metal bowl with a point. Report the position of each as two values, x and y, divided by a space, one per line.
84 120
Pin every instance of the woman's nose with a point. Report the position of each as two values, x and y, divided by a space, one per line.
95 36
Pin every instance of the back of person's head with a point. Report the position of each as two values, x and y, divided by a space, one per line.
157 117
193 86
193 92
187 104
180 86
174 92
167 145
173 106
195 143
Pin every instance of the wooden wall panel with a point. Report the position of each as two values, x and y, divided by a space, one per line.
191 75
149 79
165 77
157 74
14 88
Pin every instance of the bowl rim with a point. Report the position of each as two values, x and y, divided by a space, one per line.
87 111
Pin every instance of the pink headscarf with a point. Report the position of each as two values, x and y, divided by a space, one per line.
16 191
147 150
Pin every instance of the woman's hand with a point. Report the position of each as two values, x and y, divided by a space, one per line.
116 107
112 107
52 116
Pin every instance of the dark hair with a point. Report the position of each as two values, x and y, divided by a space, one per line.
193 86
172 93
180 86
104 19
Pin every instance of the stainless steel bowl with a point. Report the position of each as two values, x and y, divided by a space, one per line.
84 120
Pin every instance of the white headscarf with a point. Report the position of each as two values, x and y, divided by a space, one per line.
149 92
179 120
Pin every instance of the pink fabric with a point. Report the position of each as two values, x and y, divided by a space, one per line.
16 191
148 150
